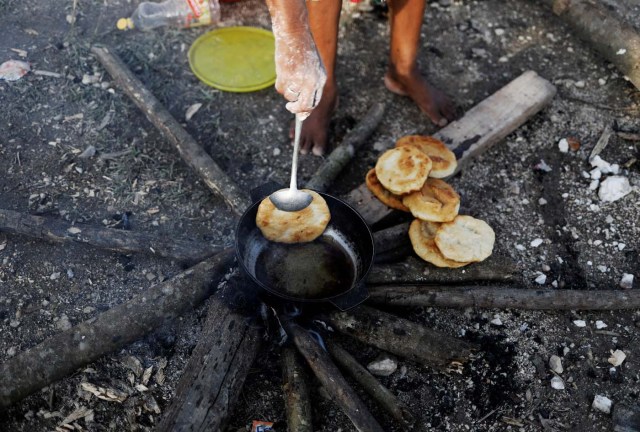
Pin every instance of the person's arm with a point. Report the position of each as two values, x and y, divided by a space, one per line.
300 75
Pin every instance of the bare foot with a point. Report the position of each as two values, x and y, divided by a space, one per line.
431 101
315 129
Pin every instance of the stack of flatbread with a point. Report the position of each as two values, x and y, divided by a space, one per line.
409 178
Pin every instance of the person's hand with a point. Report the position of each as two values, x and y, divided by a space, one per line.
299 71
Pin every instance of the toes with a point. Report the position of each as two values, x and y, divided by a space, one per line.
318 149
305 145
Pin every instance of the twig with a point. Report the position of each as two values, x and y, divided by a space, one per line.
332 380
371 385
49 229
64 352
492 297
194 155
603 141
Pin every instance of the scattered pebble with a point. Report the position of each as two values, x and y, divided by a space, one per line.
546 268
602 268
579 84
613 188
555 363
11 351
383 365
600 325
563 145
54 276
277 151
496 321
14 323
580 323
542 201
627 281
537 242
70 274
520 247
602 403
617 357
557 383
604 166
88 153
542 166
192 110
621 51
499 31
63 323
541 279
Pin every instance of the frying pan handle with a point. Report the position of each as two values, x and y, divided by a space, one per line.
266 189
351 298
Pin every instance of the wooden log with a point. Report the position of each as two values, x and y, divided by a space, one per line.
342 154
402 337
194 155
64 352
492 297
412 271
296 392
50 229
616 40
218 366
483 126
332 380
370 384
391 238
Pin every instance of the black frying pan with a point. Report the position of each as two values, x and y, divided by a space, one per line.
330 269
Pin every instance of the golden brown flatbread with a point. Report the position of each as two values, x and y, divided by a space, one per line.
436 201
403 169
293 227
422 236
387 198
465 239
443 160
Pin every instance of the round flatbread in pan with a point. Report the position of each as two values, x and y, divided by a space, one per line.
293 227
444 162
403 169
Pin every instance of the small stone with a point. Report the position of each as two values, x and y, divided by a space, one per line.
150 276
88 309
383 365
496 321
621 246
542 201
70 274
520 247
600 325
602 81
627 281
277 151
609 219
444 3
63 323
613 188
537 242
563 145
602 403
14 323
546 268
541 279
579 84
11 351
621 51
499 31
542 166
555 363
54 276
595 174
617 357
580 323
602 268
557 383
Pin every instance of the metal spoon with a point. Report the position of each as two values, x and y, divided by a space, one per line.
292 199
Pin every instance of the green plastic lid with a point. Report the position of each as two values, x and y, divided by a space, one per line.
235 59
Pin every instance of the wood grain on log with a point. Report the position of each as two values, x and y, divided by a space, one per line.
402 337
342 154
332 380
44 228
483 126
370 384
296 392
192 153
216 371
64 352
492 297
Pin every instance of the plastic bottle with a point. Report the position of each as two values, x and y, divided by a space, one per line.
175 13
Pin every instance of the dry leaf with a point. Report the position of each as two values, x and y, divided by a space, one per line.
146 375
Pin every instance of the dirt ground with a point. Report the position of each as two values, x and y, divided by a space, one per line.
470 49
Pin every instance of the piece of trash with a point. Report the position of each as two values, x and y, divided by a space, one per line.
557 383
542 166
555 363
383 365
13 70
602 403
261 426
580 323
89 152
627 281
613 188
192 110
617 357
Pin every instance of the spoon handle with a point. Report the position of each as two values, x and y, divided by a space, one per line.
296 150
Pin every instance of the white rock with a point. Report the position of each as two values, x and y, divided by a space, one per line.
537 242
496 321
621 51
594 184
555 363
557 383
541 279
11 351
609 219
542 201
192 110
602 268
602 403
600 325
63 323
627 281
520 247
384 365
621 246
595 174
277 151
579 84
602 81
499 31
613 188
54 276
617 357
580 323
563 145
546 268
